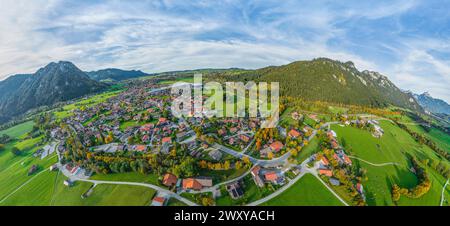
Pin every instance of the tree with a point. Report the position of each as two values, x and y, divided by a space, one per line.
16 151
270 155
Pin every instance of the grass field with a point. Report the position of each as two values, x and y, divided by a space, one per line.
393 146
47 189
130 177
308 191
308 150
441 139
18 130
251 193
88 102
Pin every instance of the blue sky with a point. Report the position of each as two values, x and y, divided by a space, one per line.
408 41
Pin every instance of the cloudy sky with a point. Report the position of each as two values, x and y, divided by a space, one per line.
409 41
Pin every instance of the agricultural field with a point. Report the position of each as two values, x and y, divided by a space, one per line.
18 130
48 189
441 139
392 148
308 191
66 111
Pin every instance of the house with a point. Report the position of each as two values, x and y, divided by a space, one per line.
294 133
334 144
347 160
140 148
244 138
204 181
191 183
235 190
295 115
313 117
257 177
53 167
326 172
221 132
162 121
32 169
276 146
166 140
360 188
146 138
271 177
334 182
324 161
159 201
263 153
215 155
169 180
67 183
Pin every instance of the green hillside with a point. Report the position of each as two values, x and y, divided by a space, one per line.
391 149
331 81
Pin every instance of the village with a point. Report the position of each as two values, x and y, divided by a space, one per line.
138 124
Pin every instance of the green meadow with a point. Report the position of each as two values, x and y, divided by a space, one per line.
308 191
47 189
393 147
18 130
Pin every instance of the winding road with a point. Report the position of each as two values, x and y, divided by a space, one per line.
374 164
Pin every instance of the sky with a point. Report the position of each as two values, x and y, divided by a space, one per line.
406 40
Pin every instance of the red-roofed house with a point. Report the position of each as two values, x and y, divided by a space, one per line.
140 148
158 201
162 120
166 140
169 180
347 160
325 161
276 146
271 176
294 133
191 183
326 172
244 138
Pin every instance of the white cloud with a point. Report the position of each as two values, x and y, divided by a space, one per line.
172 35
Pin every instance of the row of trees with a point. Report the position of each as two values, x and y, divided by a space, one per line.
418 191
439 166
421 139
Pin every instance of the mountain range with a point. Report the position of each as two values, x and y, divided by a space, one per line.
51 84
319 79
333 81
113 74
433 105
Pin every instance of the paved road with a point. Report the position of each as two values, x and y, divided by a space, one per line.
374 164
304 170
217 186
255 161
443 191
96 182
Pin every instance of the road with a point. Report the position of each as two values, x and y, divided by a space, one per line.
217 186
97 182
374 164
443 191
303 171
